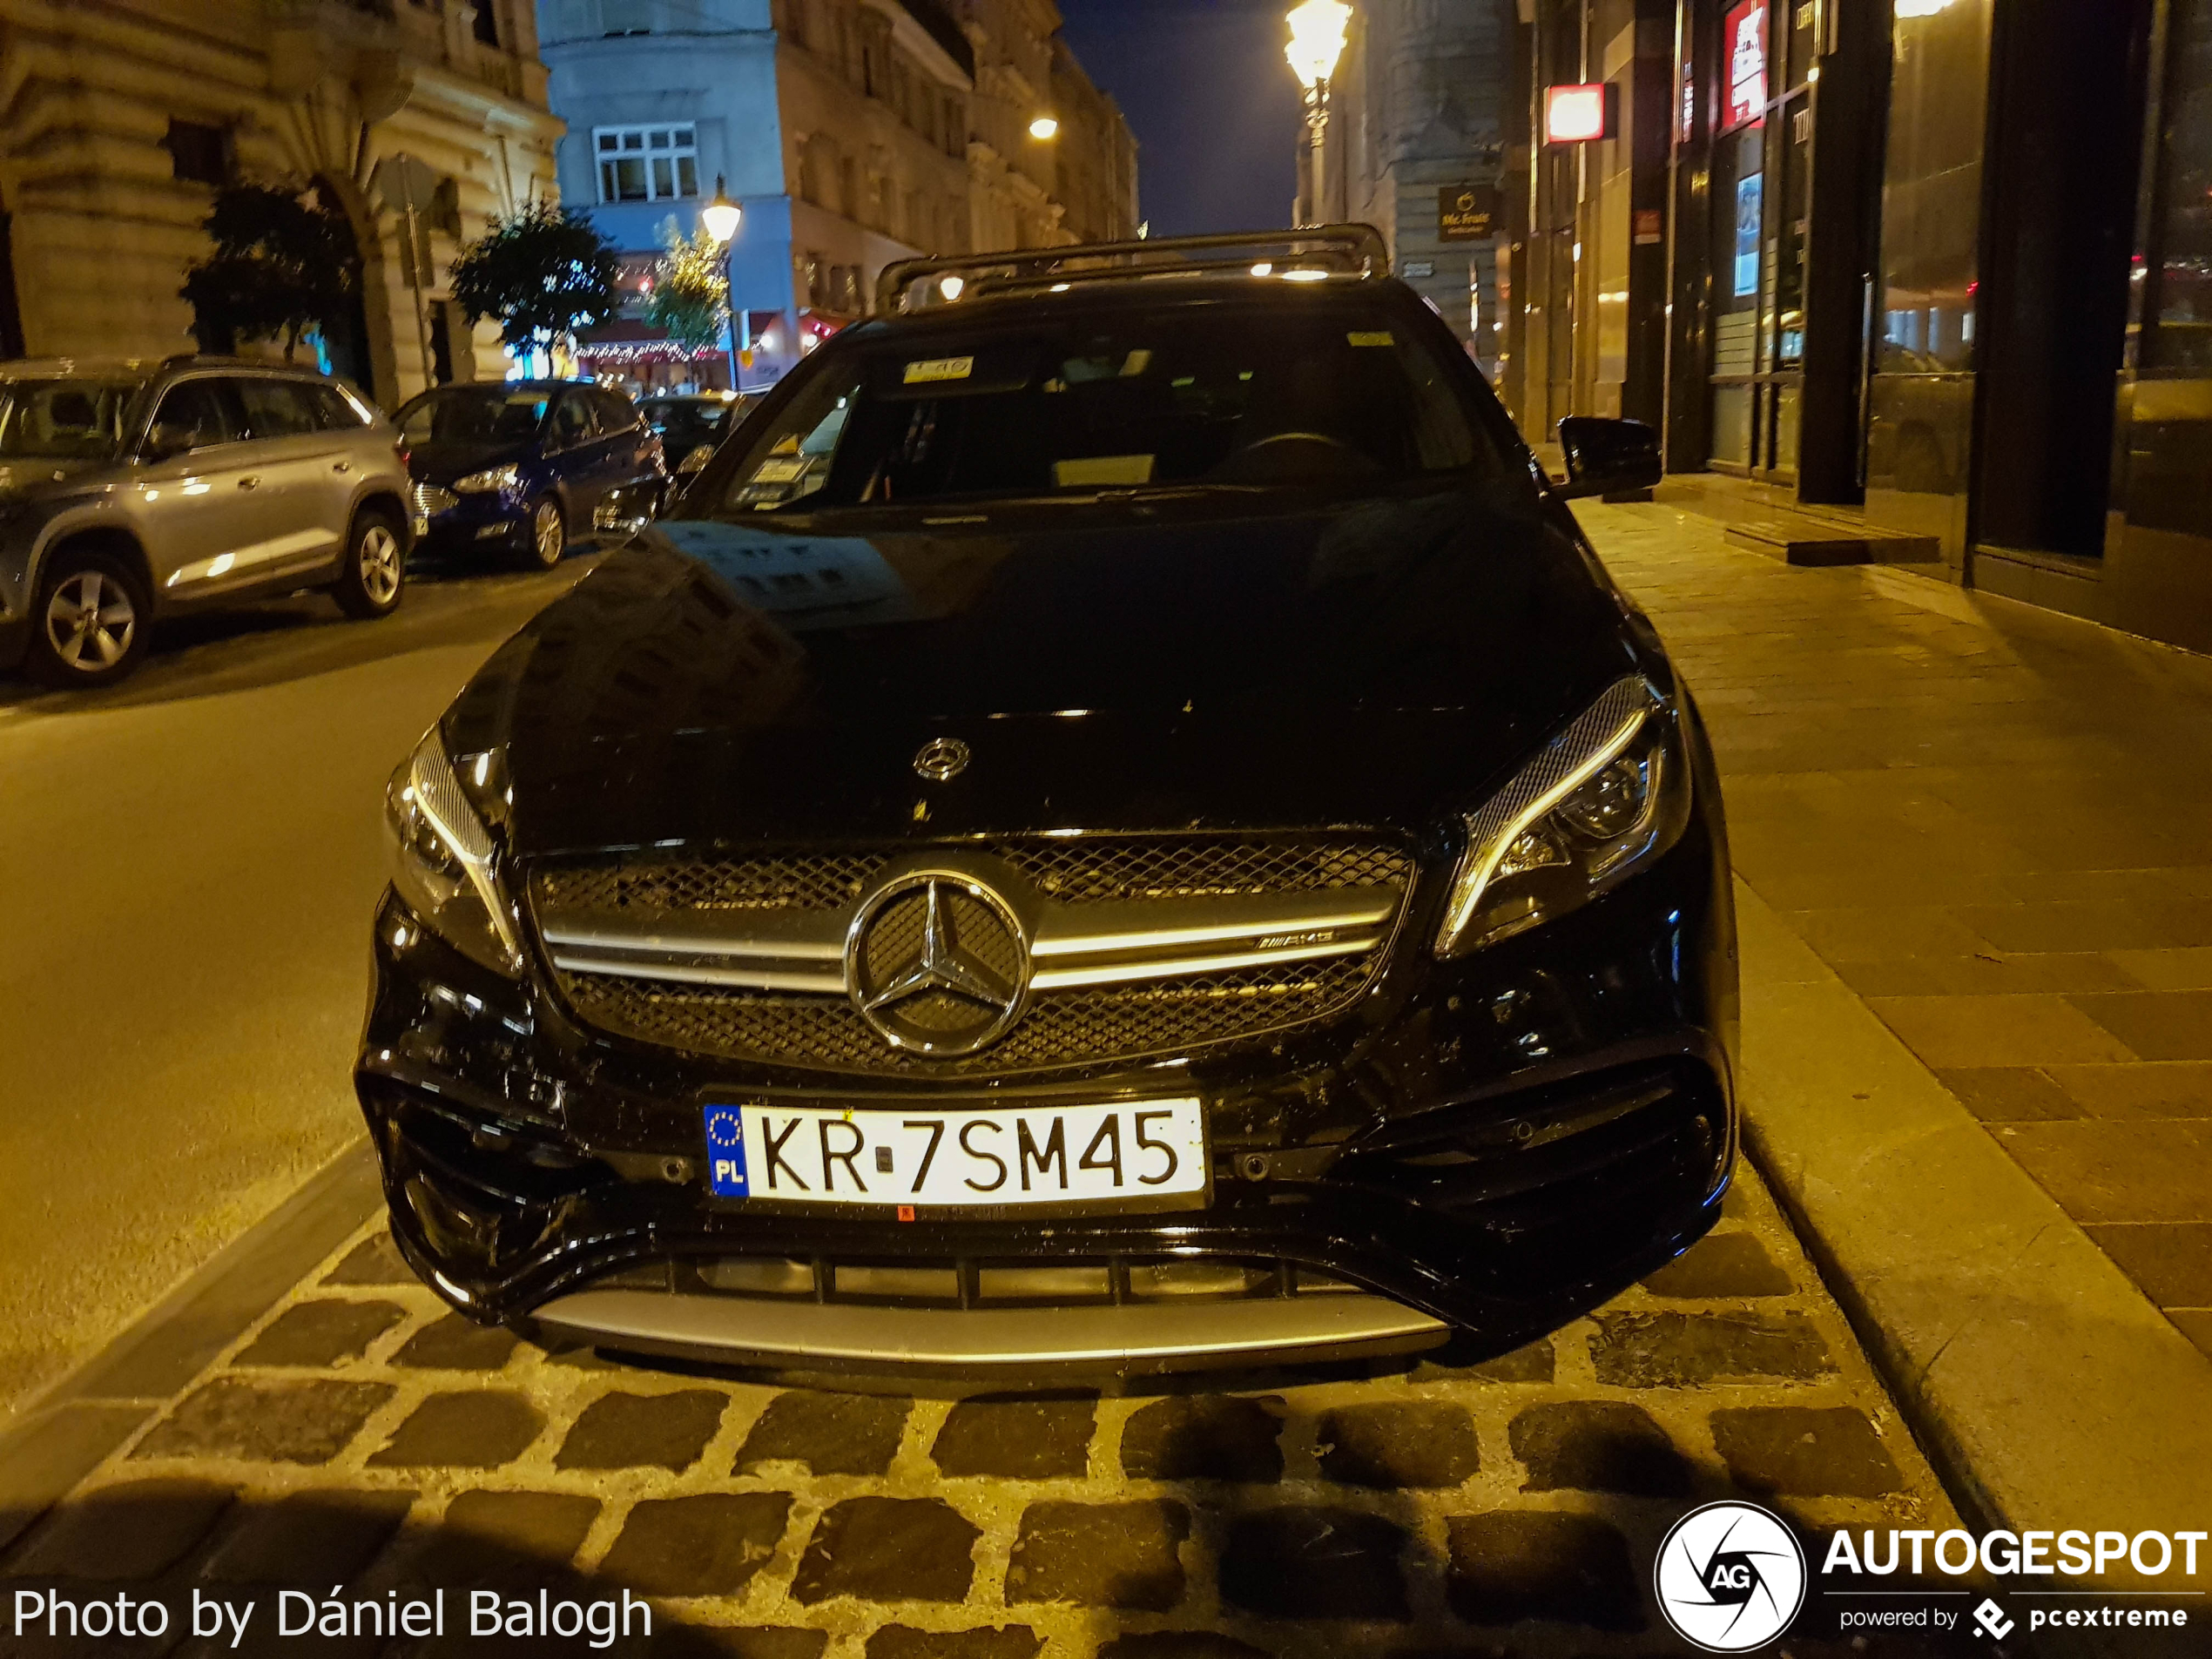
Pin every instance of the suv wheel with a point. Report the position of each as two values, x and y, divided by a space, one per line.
374 572
549 531
89 621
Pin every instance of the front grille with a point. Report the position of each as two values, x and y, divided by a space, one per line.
1062 1029
1078 872
1066 1025
1073 871
807 881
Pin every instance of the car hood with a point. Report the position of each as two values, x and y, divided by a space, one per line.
440 463
1375 663
31 478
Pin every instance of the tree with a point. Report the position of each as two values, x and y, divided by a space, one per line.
541 273
691 297
284 263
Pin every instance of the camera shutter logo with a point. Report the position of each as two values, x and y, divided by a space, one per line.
1730 1577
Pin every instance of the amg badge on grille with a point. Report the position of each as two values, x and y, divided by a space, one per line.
942 759
937 963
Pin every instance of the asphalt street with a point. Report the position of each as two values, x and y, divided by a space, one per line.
187 866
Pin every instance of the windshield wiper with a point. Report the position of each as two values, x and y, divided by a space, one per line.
1167 492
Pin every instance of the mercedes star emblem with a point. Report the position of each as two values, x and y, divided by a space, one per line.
942 759
937 963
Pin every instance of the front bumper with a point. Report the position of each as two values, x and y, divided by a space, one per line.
1494 1146
452 520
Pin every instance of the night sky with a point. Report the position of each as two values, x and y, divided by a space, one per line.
1214 106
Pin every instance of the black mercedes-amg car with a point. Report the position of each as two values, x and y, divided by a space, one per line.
1119 824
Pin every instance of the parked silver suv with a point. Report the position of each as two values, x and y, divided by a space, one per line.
132 489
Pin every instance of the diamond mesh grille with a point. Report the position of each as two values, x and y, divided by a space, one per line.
1078 872
1060 1029
1074 872
810 882
1067 1028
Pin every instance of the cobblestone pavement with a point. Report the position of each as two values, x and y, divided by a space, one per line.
359 1438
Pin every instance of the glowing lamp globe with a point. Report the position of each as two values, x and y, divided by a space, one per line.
1317 39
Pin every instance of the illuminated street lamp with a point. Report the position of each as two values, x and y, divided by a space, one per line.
1317 41
1044 128
721 217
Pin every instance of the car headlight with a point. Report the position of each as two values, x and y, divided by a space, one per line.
491 478
1601 800
443 861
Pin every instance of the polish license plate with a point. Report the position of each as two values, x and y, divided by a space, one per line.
1134 1153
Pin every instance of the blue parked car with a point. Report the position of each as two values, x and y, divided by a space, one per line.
522 465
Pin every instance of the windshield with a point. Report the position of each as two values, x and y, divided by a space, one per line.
63 420
1336 395
473 414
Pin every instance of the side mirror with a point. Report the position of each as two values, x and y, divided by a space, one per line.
167 440
696 460
1607 457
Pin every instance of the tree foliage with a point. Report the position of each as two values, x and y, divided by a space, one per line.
691 297
541 273
283 263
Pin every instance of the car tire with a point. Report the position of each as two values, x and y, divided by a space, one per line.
546 532
88 621
373 576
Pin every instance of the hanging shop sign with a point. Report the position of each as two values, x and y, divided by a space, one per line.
1743 50
1580 114
1466 212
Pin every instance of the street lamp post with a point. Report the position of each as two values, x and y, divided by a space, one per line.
1317 41
721 217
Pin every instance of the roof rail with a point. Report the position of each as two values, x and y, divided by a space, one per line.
230 360
1350 250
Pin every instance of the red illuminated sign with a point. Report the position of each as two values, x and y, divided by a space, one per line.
1577 114
1743 50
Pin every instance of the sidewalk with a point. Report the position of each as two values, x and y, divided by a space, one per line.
1990 826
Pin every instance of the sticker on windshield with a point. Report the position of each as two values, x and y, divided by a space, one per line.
778 472
940 368
1371 337
1102 469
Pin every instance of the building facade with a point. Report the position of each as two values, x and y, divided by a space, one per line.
123 120
1947 263
853 134
1415 144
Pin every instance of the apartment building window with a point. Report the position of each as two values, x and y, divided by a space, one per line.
647 164
198 152
486 22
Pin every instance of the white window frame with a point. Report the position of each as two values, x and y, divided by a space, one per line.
666 152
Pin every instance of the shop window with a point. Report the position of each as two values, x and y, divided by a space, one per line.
2179 337
2167 475
647 164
